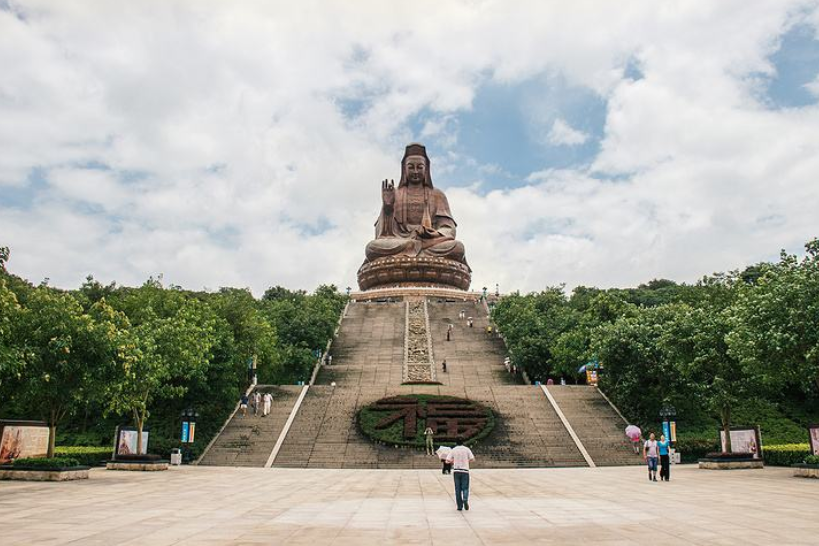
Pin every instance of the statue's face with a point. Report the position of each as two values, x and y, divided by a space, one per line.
415 169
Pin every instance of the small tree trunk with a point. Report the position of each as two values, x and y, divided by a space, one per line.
726 427
140 422
52 439
52 433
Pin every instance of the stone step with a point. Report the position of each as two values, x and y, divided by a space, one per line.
527 434
598 426
248 441
473 357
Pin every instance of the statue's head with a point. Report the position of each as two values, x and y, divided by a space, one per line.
415 166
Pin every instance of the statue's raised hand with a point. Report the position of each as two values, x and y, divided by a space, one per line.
388 194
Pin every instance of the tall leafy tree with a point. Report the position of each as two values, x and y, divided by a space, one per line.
159 355
695 342
775 321
65 351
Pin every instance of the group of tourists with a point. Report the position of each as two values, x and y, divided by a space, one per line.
655 452
462 316
454 461
258 402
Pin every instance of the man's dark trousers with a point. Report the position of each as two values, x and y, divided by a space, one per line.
461 488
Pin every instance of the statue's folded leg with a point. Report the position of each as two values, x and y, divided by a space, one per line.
450 248
390 246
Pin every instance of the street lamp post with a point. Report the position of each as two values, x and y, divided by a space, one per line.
667 412
189 417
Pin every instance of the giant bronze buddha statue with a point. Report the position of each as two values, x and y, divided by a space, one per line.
414 241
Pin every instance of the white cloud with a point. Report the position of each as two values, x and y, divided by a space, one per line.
562 134
813 86
207 142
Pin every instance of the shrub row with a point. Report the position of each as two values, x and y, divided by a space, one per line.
693 449
46 464
86 455
812 459
786 454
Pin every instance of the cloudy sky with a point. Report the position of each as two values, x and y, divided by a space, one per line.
243 143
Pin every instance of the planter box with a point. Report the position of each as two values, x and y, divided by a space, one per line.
806 470
138 466
42 475
730 464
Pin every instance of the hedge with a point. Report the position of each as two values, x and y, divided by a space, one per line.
693 449
785 454
369 418
812 459
47 464
86 455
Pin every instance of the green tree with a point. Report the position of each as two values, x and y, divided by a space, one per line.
159 355
776 322
695 342
66 352
531 325
11 357
638 375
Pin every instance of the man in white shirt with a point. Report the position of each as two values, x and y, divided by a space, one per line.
459 458
650 455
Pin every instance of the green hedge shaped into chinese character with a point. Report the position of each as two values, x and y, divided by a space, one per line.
401 420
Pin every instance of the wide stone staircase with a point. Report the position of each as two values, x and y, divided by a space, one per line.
249 440
473 358
369 349
367 365
528 432
599 427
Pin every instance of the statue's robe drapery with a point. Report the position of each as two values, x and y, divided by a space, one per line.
415 208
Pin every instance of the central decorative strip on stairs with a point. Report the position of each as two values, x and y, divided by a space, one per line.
568 426
419 365
286 428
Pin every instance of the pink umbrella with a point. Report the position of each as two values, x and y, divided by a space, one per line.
633 432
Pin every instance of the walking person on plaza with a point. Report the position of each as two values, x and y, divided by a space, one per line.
665 460
459 458
650 455
268 402
634 435
443 365
428 437
443 453
243 404
469 322
257 401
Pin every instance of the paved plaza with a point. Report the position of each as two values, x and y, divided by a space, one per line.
208 506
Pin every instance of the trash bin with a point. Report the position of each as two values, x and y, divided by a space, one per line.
176 456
